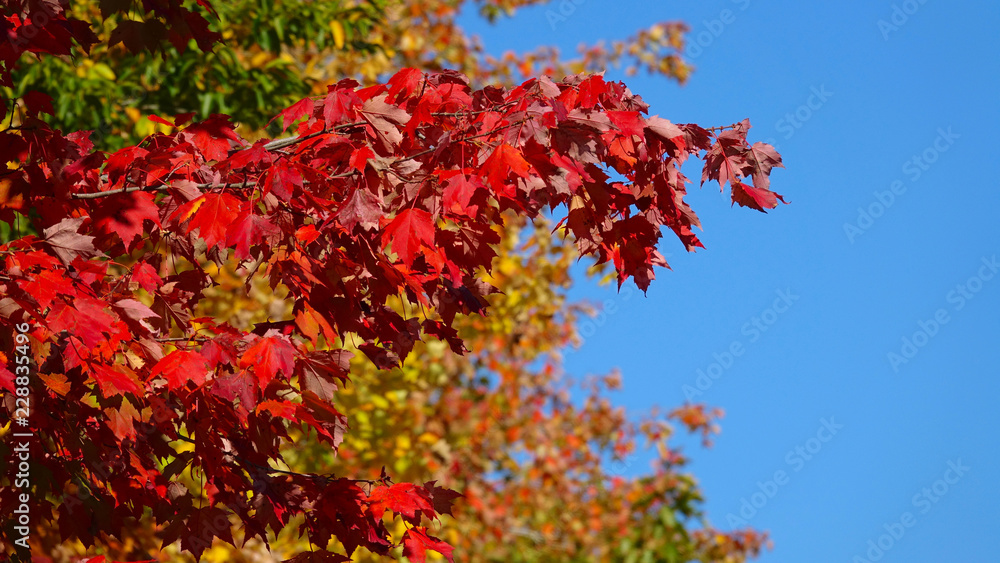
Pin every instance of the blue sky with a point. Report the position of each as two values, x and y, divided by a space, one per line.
895 121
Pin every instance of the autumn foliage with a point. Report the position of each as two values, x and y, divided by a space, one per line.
388 194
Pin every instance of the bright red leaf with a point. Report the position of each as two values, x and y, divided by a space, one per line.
403 498
268 357
212 214
179 367
416 542
410 232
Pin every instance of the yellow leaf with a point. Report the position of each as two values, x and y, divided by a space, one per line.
145 127
337 29
194 205
260 59
133 114
380 402
218 554
403 442
104 71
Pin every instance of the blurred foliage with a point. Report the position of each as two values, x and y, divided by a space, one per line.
254 73
275 53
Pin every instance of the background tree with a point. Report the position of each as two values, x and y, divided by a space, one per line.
274 53
557 424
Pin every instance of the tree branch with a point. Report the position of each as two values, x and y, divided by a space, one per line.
272 146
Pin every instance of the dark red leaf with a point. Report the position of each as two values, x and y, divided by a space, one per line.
124 215
362 208
248 230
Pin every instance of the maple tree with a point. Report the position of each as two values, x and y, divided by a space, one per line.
385 191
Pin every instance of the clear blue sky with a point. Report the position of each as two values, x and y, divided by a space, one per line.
928 89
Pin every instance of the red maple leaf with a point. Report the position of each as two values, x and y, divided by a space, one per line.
146 276
125 214
294 112
402 498
66 242
458 193
236 386
249 229
7 379
179 367
429 181
37 102
441 498
403 84
322 417
408 232
281 180
269 356
416 542
47 285
666 130
212 214
135 312
755 198
764 158
211 136
361 209
628 122
504 160
202 527
360 157
115 380
85 318
121 421
385 118
284 409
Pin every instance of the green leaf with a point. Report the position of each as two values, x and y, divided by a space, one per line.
279 28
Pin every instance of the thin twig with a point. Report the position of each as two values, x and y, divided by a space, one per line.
165 187
272 146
